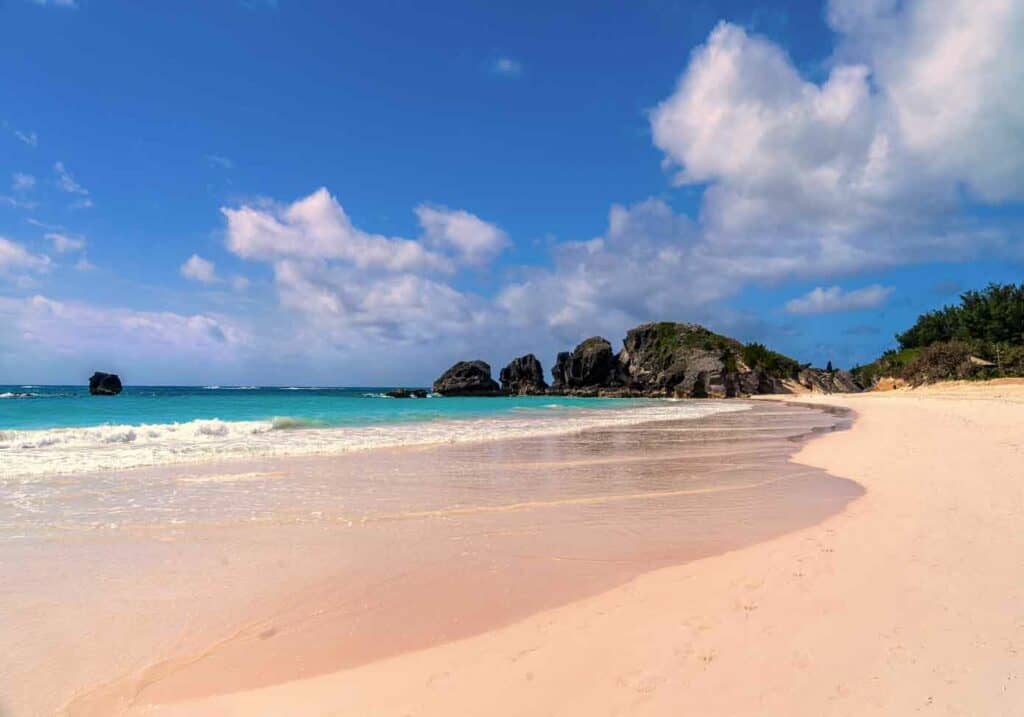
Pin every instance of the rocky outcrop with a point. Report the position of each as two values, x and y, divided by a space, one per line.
683 360
663 359
825 381
523 377
407 393
104 384
467 378
591 366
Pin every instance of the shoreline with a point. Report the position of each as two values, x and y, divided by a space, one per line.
556 537
46 452
905 601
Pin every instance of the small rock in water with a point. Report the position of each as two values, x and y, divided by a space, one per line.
104 384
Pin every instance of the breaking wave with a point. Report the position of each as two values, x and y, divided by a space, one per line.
27 453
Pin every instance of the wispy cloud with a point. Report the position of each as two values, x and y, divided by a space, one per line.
22 182
29 138
67 183
63 243
57 3
219 161
507 67
834 298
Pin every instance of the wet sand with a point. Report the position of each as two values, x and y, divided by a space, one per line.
907 602
164 586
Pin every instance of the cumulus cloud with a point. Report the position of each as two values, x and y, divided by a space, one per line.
825 301
199 269
63 243
867 167
353 283
473 240
318 228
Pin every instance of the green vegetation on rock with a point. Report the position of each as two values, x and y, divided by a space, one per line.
776 365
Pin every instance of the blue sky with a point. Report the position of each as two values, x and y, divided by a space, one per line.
302 192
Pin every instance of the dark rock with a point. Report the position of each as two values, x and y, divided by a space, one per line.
590 365
104 384
523 377
467 378
407 393
683 360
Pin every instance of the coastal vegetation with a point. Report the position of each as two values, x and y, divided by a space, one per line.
981 337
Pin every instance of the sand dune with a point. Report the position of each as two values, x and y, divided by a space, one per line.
910 601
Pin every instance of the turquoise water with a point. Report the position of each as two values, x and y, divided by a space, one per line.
43 407
59 430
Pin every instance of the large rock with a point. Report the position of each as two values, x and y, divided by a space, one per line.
683 360
523 377
104 384
467 378
589 366
824 381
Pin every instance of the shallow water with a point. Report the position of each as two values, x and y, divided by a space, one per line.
46 430
178 581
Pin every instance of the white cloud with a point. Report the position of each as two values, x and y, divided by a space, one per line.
219 162
29 138
66 327
317 228
199 269
63 243
507 67
474 240
239 283
83 264
825 301
350 283
22 182
16 256
866 168
57 3
67 183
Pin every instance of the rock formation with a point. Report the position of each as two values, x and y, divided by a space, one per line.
104 384
588 369
467 378
407 393
523 377
826 381
663 359
682 360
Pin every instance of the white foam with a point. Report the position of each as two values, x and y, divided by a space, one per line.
24 454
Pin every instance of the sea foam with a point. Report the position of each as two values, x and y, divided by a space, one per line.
28 453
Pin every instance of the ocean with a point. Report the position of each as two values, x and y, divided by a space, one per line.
48 430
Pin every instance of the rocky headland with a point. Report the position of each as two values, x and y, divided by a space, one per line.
666 359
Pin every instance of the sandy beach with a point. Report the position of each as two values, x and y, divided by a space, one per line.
909 601
132 589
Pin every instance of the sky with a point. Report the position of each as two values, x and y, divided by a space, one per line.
317 193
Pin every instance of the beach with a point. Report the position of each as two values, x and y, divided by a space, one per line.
908 601
869 569
127 589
